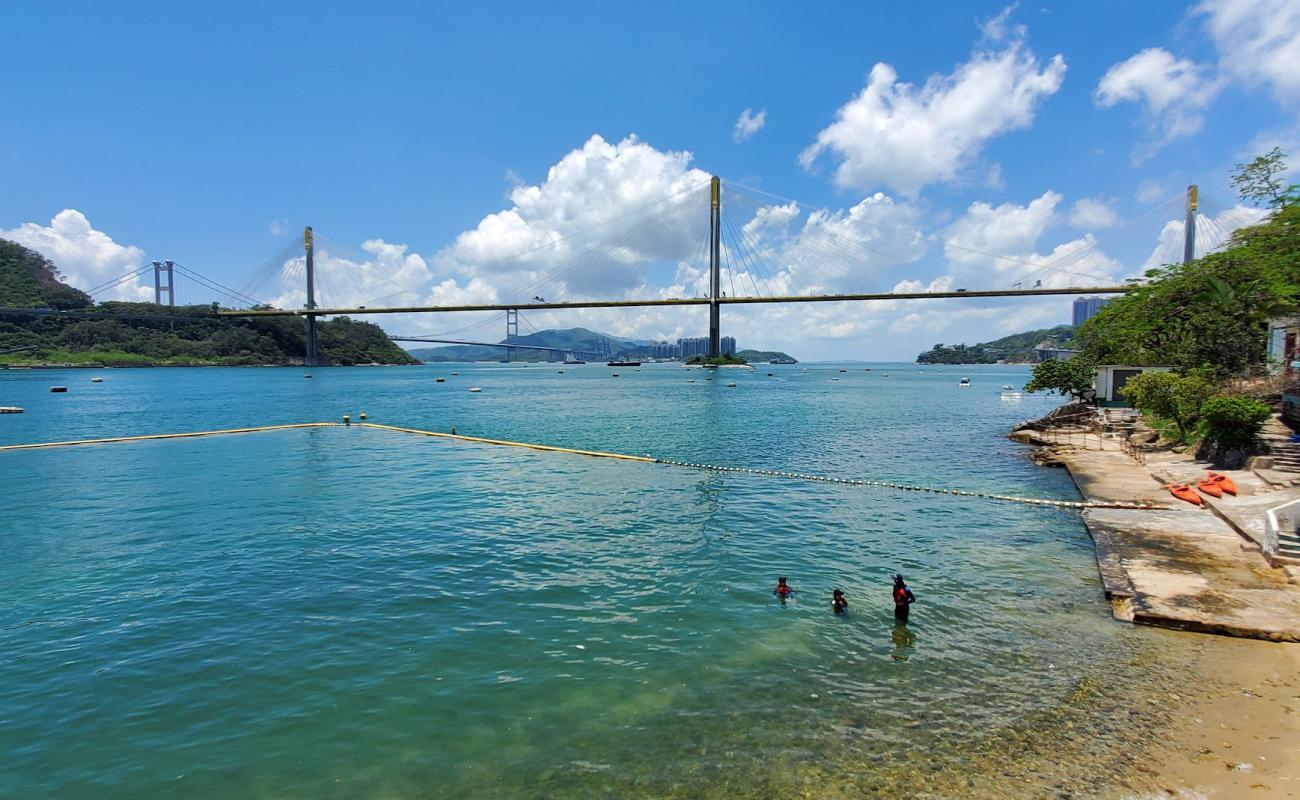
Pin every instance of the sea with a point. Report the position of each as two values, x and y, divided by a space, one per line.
356 612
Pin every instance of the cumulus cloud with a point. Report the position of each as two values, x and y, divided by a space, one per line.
998 246
1090 214
85 256
896 134
748 124
1173 93
1258 42
622 205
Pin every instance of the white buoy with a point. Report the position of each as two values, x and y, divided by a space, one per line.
475 389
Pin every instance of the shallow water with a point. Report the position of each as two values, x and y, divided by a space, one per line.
353 612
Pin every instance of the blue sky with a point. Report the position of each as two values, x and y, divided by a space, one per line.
212 134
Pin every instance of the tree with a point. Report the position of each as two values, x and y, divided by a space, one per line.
1261 180
1174 397
1072 377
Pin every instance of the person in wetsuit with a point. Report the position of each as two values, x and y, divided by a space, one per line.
903 599
839 603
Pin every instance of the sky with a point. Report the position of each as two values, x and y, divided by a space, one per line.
495 152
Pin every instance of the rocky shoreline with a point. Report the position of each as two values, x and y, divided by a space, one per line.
1175 566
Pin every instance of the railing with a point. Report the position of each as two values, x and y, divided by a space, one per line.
1276 520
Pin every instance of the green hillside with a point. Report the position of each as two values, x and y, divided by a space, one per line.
759 356
28 280
1015 349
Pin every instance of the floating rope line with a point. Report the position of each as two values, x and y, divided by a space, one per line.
1006 498
189 435
767 473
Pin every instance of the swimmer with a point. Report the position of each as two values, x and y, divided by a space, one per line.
903 599
782 589
839 603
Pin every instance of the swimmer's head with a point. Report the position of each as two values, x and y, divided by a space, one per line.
837 593
898 580
781 580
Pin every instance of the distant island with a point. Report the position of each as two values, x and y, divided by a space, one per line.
148 339
1019 348
569 341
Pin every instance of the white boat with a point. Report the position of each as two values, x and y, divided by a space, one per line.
964 383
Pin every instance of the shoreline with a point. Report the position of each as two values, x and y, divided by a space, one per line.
1234 727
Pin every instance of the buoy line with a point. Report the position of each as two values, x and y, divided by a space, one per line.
767 473
186 435
1006 498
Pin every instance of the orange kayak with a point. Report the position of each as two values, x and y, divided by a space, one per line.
1184 492
1225 483
1211 487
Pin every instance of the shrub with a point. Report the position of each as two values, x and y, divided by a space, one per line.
1177 398
1233 421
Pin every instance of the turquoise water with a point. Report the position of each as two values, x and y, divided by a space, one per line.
353 612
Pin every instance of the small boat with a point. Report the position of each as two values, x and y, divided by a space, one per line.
1223 481
1184 492
571 360
844 370
10 410
439 380
1006 387
475 389
623 363
58 389
96 380
731 386
964 383
1212 488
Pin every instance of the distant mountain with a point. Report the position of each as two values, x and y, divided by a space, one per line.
30 280
1015 349
567 340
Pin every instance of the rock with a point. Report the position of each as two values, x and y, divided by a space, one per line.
1024 436
1143 437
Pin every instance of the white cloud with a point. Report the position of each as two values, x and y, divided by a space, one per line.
86 257
904 137
279 227
1212 234
384 274
748 124
994 246
1090 214
1258 42
616 207
1173 93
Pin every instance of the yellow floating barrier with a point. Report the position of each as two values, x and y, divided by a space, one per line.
506 443
151 436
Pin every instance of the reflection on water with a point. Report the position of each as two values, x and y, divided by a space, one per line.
904 640
350 612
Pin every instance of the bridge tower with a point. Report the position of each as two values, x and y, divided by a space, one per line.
1189 226
161 270
512 329
310 359
715 269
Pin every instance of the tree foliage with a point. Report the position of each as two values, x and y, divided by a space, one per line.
1174 397
1071 378
1211 314
1262 180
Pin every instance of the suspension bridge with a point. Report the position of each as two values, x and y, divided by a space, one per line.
716 246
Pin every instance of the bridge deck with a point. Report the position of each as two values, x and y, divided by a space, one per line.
685 301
